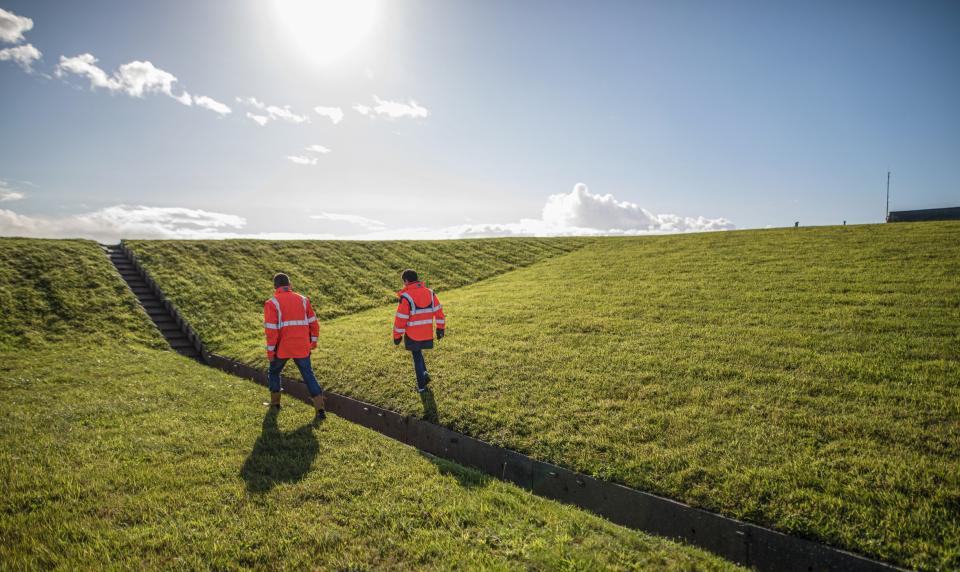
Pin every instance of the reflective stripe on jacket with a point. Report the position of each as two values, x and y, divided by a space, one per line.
290 326
416 313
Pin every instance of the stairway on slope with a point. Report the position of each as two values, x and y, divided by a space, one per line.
152 304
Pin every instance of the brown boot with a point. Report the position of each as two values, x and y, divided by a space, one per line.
320 402
275 399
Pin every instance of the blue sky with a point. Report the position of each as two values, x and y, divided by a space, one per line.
745 114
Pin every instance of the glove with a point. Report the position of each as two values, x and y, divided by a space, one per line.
440 334
313 346
396 341
271 356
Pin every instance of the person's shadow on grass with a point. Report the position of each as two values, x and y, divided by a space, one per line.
279 457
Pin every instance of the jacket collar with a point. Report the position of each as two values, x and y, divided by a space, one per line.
411 286
281 290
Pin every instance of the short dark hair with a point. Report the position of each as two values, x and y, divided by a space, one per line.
280 279
409 275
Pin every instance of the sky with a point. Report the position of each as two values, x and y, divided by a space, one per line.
455 118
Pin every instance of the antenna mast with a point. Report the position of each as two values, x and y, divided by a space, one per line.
888 196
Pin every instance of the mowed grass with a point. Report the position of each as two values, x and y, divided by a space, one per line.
222 284
55 290
118 455
138 458
803 379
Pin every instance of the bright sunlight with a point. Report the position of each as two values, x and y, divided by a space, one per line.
326 29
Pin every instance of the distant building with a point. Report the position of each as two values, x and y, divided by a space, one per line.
922 215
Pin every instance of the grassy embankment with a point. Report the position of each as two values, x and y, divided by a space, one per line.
804 379
116 454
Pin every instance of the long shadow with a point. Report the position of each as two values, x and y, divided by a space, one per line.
279 457
429 406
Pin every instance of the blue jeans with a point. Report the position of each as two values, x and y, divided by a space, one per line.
419 367
306 370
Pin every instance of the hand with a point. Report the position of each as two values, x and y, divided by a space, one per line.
396 341
440 334
313 346
271 356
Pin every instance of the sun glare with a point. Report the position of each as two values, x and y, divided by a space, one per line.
326 29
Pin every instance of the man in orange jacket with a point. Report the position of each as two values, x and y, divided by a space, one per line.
292 329
417 312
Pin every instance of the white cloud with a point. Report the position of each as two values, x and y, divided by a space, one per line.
582 209
335 114
123 221
23 56
577 213
318 149
85 65
12 26
135 78
362 221
260 120
273 112
302 160
7 193
211 104
392 109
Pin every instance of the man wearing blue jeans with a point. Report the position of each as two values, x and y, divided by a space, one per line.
418 310
291 328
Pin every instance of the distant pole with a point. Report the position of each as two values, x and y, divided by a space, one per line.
888 197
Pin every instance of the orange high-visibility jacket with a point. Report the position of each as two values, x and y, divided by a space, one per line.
290 325
418 309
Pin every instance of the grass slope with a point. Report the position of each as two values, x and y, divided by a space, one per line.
53 290
114 454
223 284
144 459
805 379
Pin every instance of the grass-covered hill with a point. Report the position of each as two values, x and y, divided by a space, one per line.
804 379
223 284
56 291
118 455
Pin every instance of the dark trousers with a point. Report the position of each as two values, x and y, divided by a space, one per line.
306 371
419 367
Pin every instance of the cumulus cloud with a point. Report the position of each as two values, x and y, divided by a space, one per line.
123 221
577 213
211 104
24 56
361 221
335 114
136 78
318 149
302 159
581 209
260 120
12 26
392 109
7 193
271 112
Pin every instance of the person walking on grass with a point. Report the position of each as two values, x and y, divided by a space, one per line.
417 312
291 328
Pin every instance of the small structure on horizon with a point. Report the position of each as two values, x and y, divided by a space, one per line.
924 215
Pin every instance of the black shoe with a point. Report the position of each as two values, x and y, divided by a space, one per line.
426 378
320 416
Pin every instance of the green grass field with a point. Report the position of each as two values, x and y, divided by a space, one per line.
116 454
803 379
